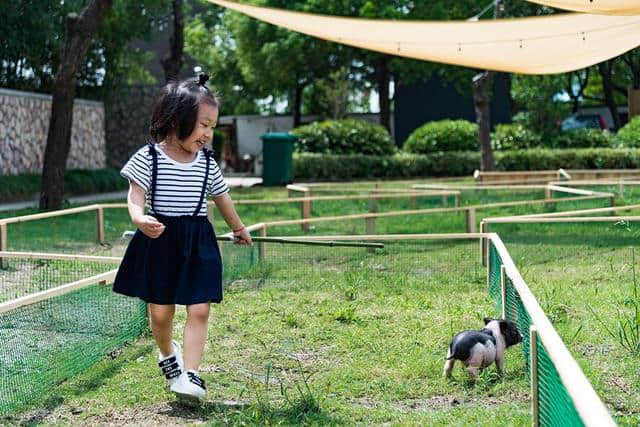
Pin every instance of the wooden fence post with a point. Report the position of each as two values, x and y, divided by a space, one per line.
262 231
100 224
484 243
412 202
3 245
533 370
305 210
620 189
503 288
370 226
373 203
211 207
471 220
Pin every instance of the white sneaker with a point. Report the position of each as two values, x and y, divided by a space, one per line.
190 386
172 365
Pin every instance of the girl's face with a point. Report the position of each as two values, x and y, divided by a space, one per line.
203 130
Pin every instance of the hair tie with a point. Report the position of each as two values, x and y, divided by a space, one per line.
203 79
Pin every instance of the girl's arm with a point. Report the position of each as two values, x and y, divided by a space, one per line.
146 223
228 211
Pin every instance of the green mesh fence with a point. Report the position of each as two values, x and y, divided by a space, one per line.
556 407
49 341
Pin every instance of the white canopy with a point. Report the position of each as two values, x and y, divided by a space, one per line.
536 45
602 7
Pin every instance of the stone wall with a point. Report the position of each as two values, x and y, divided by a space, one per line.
24 123
128 120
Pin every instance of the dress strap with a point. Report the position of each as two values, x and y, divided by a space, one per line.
154 173
207 155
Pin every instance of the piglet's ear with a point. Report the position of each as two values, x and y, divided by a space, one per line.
504 326
487 320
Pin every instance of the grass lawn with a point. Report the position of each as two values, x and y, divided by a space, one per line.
365 332
583 277
322 336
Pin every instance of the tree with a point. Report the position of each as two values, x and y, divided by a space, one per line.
174 60
276 62
482 103
209 41
80 30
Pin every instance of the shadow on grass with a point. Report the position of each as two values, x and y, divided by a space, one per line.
84 383
245 412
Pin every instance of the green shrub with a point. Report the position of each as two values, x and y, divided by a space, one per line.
513 136
443 135
21 187
629 134
219 139
307 166
582 138
347 136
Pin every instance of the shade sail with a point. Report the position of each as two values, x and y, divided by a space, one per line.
604 7
536 45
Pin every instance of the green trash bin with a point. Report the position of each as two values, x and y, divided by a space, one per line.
277 158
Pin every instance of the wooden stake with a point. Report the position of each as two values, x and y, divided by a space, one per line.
100 224
370 229
211 207
470 215
484 243
3 245
533 370
305 212
373 204
261 248
503 287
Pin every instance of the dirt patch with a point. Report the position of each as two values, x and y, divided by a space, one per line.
444 402
163 414
620 383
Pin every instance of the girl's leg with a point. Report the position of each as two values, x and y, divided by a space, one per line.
195 334
161 320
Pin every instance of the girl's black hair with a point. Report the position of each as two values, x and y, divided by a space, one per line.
176 109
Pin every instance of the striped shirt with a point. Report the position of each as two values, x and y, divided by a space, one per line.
178 185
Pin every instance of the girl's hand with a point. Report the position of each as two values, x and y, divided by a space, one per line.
242 237
149 226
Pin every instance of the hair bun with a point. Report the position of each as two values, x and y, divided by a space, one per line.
203 79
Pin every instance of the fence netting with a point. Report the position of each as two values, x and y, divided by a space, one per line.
47 342
556 408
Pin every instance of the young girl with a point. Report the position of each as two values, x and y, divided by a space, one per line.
173 257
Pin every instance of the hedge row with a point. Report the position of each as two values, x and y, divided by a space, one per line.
21 187
308 166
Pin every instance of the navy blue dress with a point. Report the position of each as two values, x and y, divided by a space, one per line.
182 266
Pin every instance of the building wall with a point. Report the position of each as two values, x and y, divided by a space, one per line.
24 124
423 102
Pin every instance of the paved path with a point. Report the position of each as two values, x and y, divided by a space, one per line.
232 182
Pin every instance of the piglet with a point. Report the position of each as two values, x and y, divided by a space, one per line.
479 349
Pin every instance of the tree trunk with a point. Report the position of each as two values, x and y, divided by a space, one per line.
383 76
79 32
482 102
513 106
606 71
174 60
297 105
